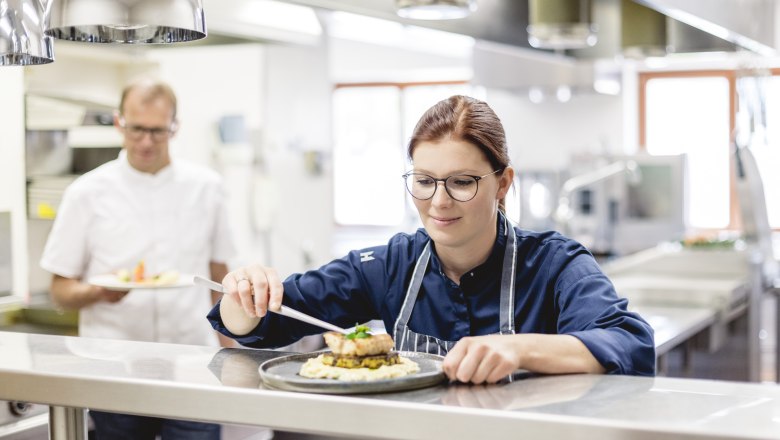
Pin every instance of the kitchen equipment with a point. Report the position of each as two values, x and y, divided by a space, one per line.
22 40
128 21
285 311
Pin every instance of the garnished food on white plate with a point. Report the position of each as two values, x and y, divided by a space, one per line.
138 276
358 356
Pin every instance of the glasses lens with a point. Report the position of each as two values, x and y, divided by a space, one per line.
137 132
461 188
420 186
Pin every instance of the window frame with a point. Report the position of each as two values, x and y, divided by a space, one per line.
735 221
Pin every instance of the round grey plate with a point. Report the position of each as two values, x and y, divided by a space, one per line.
282 373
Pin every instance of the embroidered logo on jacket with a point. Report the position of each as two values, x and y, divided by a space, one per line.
366 256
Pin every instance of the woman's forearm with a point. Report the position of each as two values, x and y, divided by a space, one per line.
556 354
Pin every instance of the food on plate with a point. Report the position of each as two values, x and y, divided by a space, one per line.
138 276
704 242
358 356
359 349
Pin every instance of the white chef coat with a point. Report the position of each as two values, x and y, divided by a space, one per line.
115 216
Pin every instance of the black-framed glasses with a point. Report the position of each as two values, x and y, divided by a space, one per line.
137 132
460 187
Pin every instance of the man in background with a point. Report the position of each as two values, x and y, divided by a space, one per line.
142 206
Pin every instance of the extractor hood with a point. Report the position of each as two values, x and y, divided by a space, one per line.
746 23
503 57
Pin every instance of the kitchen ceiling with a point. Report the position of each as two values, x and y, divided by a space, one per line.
502 55
695 25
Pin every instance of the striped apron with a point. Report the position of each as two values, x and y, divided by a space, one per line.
408 340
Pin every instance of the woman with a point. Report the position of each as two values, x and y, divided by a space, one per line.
492 297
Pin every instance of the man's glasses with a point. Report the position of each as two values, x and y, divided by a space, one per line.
460 187
137 132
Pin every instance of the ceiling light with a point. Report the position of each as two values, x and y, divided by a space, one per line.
126 21
563 93
560 24
536 95
435 9
22 41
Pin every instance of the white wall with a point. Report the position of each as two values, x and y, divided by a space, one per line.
298 109
86 72
12 178
543 136
352 61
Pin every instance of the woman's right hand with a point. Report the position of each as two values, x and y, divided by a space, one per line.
256 288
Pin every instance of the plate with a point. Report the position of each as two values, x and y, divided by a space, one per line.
282 373
110 281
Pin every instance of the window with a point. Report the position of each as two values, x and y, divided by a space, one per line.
368 157
684 112
372 126
691 115
768 154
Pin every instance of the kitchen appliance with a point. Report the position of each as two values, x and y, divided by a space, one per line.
538 198
615 211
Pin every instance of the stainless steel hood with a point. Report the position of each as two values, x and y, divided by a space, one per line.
504 58
747 23
751 24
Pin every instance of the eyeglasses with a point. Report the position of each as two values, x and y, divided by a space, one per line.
460 187
137 132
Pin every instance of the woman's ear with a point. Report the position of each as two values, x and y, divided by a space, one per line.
505 182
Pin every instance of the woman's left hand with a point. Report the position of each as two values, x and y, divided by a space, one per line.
483 359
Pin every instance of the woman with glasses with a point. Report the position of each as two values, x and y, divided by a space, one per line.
491 297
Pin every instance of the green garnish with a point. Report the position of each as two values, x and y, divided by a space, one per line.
361 332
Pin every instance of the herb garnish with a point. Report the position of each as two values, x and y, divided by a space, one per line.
361 332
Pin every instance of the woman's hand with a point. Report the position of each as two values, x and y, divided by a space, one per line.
480 359
256 288
483 359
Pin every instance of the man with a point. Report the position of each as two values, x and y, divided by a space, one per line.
142 206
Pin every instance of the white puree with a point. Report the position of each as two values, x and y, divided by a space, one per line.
315 369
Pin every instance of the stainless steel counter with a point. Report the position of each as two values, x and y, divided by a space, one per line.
673 326
223 385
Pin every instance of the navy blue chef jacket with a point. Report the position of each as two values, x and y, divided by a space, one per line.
559 289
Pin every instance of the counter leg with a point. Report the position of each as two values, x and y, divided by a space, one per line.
67 423
776 291
754 317
687 362
660 365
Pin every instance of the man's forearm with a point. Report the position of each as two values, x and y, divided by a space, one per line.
72 294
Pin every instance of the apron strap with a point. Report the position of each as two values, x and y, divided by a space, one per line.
508 271
411 293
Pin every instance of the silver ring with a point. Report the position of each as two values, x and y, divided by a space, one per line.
242 279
